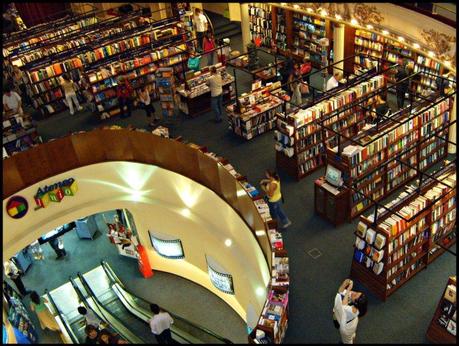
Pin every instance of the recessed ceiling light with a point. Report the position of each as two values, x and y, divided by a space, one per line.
228 242
309 9
385 32
447 63
323 13
417 46
369 26
431 53
354 22
401 39
338 16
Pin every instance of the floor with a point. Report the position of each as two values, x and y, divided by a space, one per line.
403 318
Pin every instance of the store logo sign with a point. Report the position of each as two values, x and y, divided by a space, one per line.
55 193
17 207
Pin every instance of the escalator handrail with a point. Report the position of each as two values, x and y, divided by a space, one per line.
99 305
61 317
115 278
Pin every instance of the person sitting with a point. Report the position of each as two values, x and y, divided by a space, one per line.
333 82
92 334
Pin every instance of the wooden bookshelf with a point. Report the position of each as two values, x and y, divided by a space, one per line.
260 16
392 250
365 166
301 142
437 332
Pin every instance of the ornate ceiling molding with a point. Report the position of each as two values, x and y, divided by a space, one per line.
367 14
440 44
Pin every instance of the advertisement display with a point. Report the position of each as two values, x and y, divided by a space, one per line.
222 281
167 248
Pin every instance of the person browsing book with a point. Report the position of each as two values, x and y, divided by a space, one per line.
124 94
208 45
348 307
215 84
272 187
146 104
70 95
381 110
402 81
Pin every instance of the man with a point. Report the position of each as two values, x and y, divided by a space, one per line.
333 82
201 24
215 83
89 316
55 245
401 88
12 271
12 101
160 325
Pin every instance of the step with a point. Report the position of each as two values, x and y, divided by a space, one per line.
228 34
226 27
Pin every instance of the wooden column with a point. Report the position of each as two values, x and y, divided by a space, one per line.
349 49
338 45
245 27
452 129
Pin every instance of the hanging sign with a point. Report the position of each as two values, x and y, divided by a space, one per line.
17 207
55 192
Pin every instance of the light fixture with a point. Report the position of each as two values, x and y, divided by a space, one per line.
369 26
338 16
309 9
354 21
447 63
260 233
186 212
401 39
283 3
296 6
228 242
385 32
260 291
417 46
323 13
431 53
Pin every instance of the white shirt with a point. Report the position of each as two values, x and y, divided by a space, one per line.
146 100
91 318
160 322
10 269
215 83
331 83
201 22
13 101
347 319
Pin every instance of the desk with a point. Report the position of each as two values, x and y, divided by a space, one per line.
333 207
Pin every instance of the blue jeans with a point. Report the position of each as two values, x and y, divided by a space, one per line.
216 103
277 213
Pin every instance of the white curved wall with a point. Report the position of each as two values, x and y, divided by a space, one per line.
165 203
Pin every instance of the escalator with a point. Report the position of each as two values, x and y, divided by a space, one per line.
135 312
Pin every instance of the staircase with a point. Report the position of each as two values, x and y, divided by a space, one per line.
223 27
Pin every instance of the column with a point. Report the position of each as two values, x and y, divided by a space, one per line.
234 9
338 46
452 129
245 20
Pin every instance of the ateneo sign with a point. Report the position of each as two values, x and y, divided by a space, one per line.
55 193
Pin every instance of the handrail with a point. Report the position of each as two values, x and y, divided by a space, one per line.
111 274
110 315
61 317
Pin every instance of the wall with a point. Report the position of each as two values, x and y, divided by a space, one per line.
218 8
165 203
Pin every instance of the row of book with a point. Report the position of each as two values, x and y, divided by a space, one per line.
370 36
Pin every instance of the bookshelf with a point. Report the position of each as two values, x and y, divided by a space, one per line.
301 142
392 249
371 168
281 31
194 95
167 90
254 113
442 328
260 24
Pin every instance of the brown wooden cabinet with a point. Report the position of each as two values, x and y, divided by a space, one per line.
333 207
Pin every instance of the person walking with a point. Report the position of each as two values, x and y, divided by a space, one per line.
124 94
38 305
12 271
146 104
348 307
215 83
70 95
208 45
272 187
160 325
201 25
402 85
58 246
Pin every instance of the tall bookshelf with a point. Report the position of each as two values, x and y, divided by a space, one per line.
301 142
371 168
167 90
281 30
392 249
260 23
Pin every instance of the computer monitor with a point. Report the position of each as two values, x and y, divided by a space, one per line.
333 176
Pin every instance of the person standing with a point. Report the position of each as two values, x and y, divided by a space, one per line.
305 70
402 85
38 305
333 82
272 187
90 317
201 24
160 325
58 247
70 95
295 91
348 307
208 45
215 83
12 271
92 334
146 104
124 94
12 101
20 81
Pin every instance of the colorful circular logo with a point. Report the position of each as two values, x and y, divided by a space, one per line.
17 207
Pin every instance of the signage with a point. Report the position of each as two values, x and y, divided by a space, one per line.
17 207
55 193
167 248
222 281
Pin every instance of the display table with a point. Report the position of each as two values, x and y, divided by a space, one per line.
86 227
330 203
18 132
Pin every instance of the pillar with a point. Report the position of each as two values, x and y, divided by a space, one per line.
234 9
338 46
245 20
452 129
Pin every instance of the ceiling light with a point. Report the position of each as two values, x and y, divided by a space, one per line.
260 233
369 26
401 39
431 53
228 242
260 291
338 16
296 6
309 9
283 3
385 32
323 13
417 46
447 63
354 22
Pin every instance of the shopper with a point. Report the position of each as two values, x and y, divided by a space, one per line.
160 325
124 94
147 105
333 82
215 83
272 187
12 101
202 25
305 69
208 45
107 338
224 52
58 246
348 307
402 83
89 316
380 111
85 88
69 87
294 85
38 305
12 271
92 334
20 81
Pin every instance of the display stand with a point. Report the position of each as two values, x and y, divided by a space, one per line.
18 133
442 328
331 203
167 91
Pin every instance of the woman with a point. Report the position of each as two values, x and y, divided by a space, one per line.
105 337
272 187
124 94
349 306
305 69
20 80
208 44
146 104
295 85
37 304
92 334
69 91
